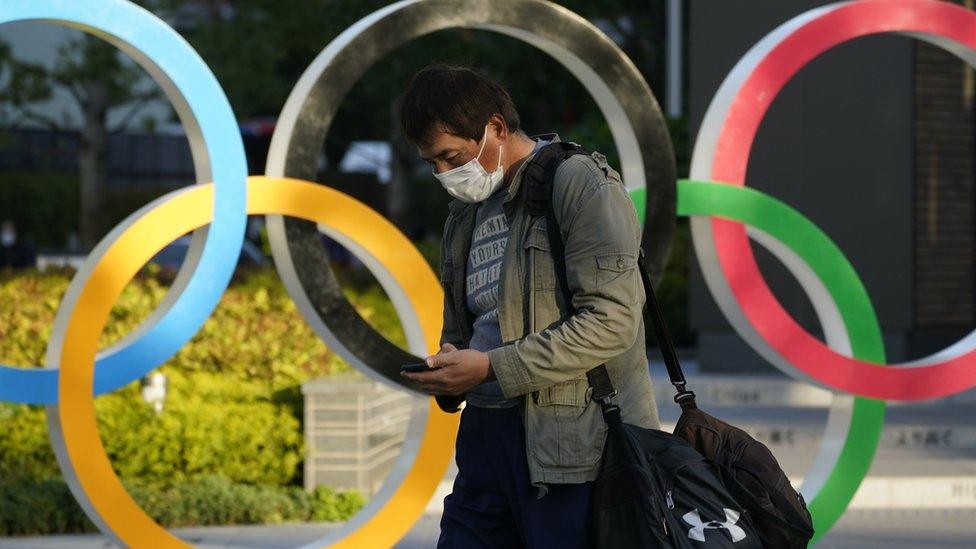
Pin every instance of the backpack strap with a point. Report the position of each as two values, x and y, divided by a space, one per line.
538 179
538 175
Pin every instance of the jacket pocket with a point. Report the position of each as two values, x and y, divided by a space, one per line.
564 426
538 257
610 266
541 285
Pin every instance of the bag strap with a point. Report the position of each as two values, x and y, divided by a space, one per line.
538 180
684 397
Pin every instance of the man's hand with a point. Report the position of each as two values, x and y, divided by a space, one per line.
454 371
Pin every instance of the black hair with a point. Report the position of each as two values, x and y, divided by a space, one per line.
458 99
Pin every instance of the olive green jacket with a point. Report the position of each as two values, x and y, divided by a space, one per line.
543 360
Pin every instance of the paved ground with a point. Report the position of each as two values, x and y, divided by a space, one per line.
929 529
927 454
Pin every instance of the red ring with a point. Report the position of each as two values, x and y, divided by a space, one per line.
731 157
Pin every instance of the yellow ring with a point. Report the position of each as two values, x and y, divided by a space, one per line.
182 212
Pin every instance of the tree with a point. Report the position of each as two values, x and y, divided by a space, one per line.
99 79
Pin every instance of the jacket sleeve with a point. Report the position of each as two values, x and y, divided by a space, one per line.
449 330
602 239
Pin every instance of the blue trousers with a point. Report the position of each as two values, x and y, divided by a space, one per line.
493 504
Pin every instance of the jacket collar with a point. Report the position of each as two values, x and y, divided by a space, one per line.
456 205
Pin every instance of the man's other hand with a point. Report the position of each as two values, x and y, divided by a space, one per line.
453 371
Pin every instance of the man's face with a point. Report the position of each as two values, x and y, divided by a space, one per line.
448 151
8 233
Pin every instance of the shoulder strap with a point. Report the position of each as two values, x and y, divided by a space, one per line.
538 175
684 397
538 180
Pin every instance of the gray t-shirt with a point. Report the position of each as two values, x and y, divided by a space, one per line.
481 285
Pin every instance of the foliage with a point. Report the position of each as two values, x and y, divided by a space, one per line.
47 507
90 68
26 82
233 404
53 198
36 508
99 79
210 426
678 129
255 334
260 48
216 500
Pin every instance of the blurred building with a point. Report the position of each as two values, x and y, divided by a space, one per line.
133 158
872 141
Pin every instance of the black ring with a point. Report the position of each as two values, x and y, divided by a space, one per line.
311 108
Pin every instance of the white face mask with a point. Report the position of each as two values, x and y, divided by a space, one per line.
470 182
8 238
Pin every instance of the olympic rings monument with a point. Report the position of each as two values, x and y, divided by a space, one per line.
724 215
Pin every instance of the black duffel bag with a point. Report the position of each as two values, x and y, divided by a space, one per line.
655 490
709 484
746 466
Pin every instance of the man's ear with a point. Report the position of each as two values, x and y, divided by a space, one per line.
496 124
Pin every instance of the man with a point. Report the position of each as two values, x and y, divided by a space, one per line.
530 436
14 252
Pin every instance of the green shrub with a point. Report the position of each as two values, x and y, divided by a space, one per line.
47 507
328 505
233 404
25 450
209 426
29 508
28 303
255 334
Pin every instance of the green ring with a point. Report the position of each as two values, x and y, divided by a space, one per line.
790 227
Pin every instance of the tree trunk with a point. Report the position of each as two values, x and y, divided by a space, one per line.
93 169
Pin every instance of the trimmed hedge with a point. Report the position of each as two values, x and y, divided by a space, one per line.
30 508
215 500
209 426
39 508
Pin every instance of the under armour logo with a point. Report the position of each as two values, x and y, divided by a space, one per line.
697 531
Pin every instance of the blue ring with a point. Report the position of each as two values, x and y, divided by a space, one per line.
183 74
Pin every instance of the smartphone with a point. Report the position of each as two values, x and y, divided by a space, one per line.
415 367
